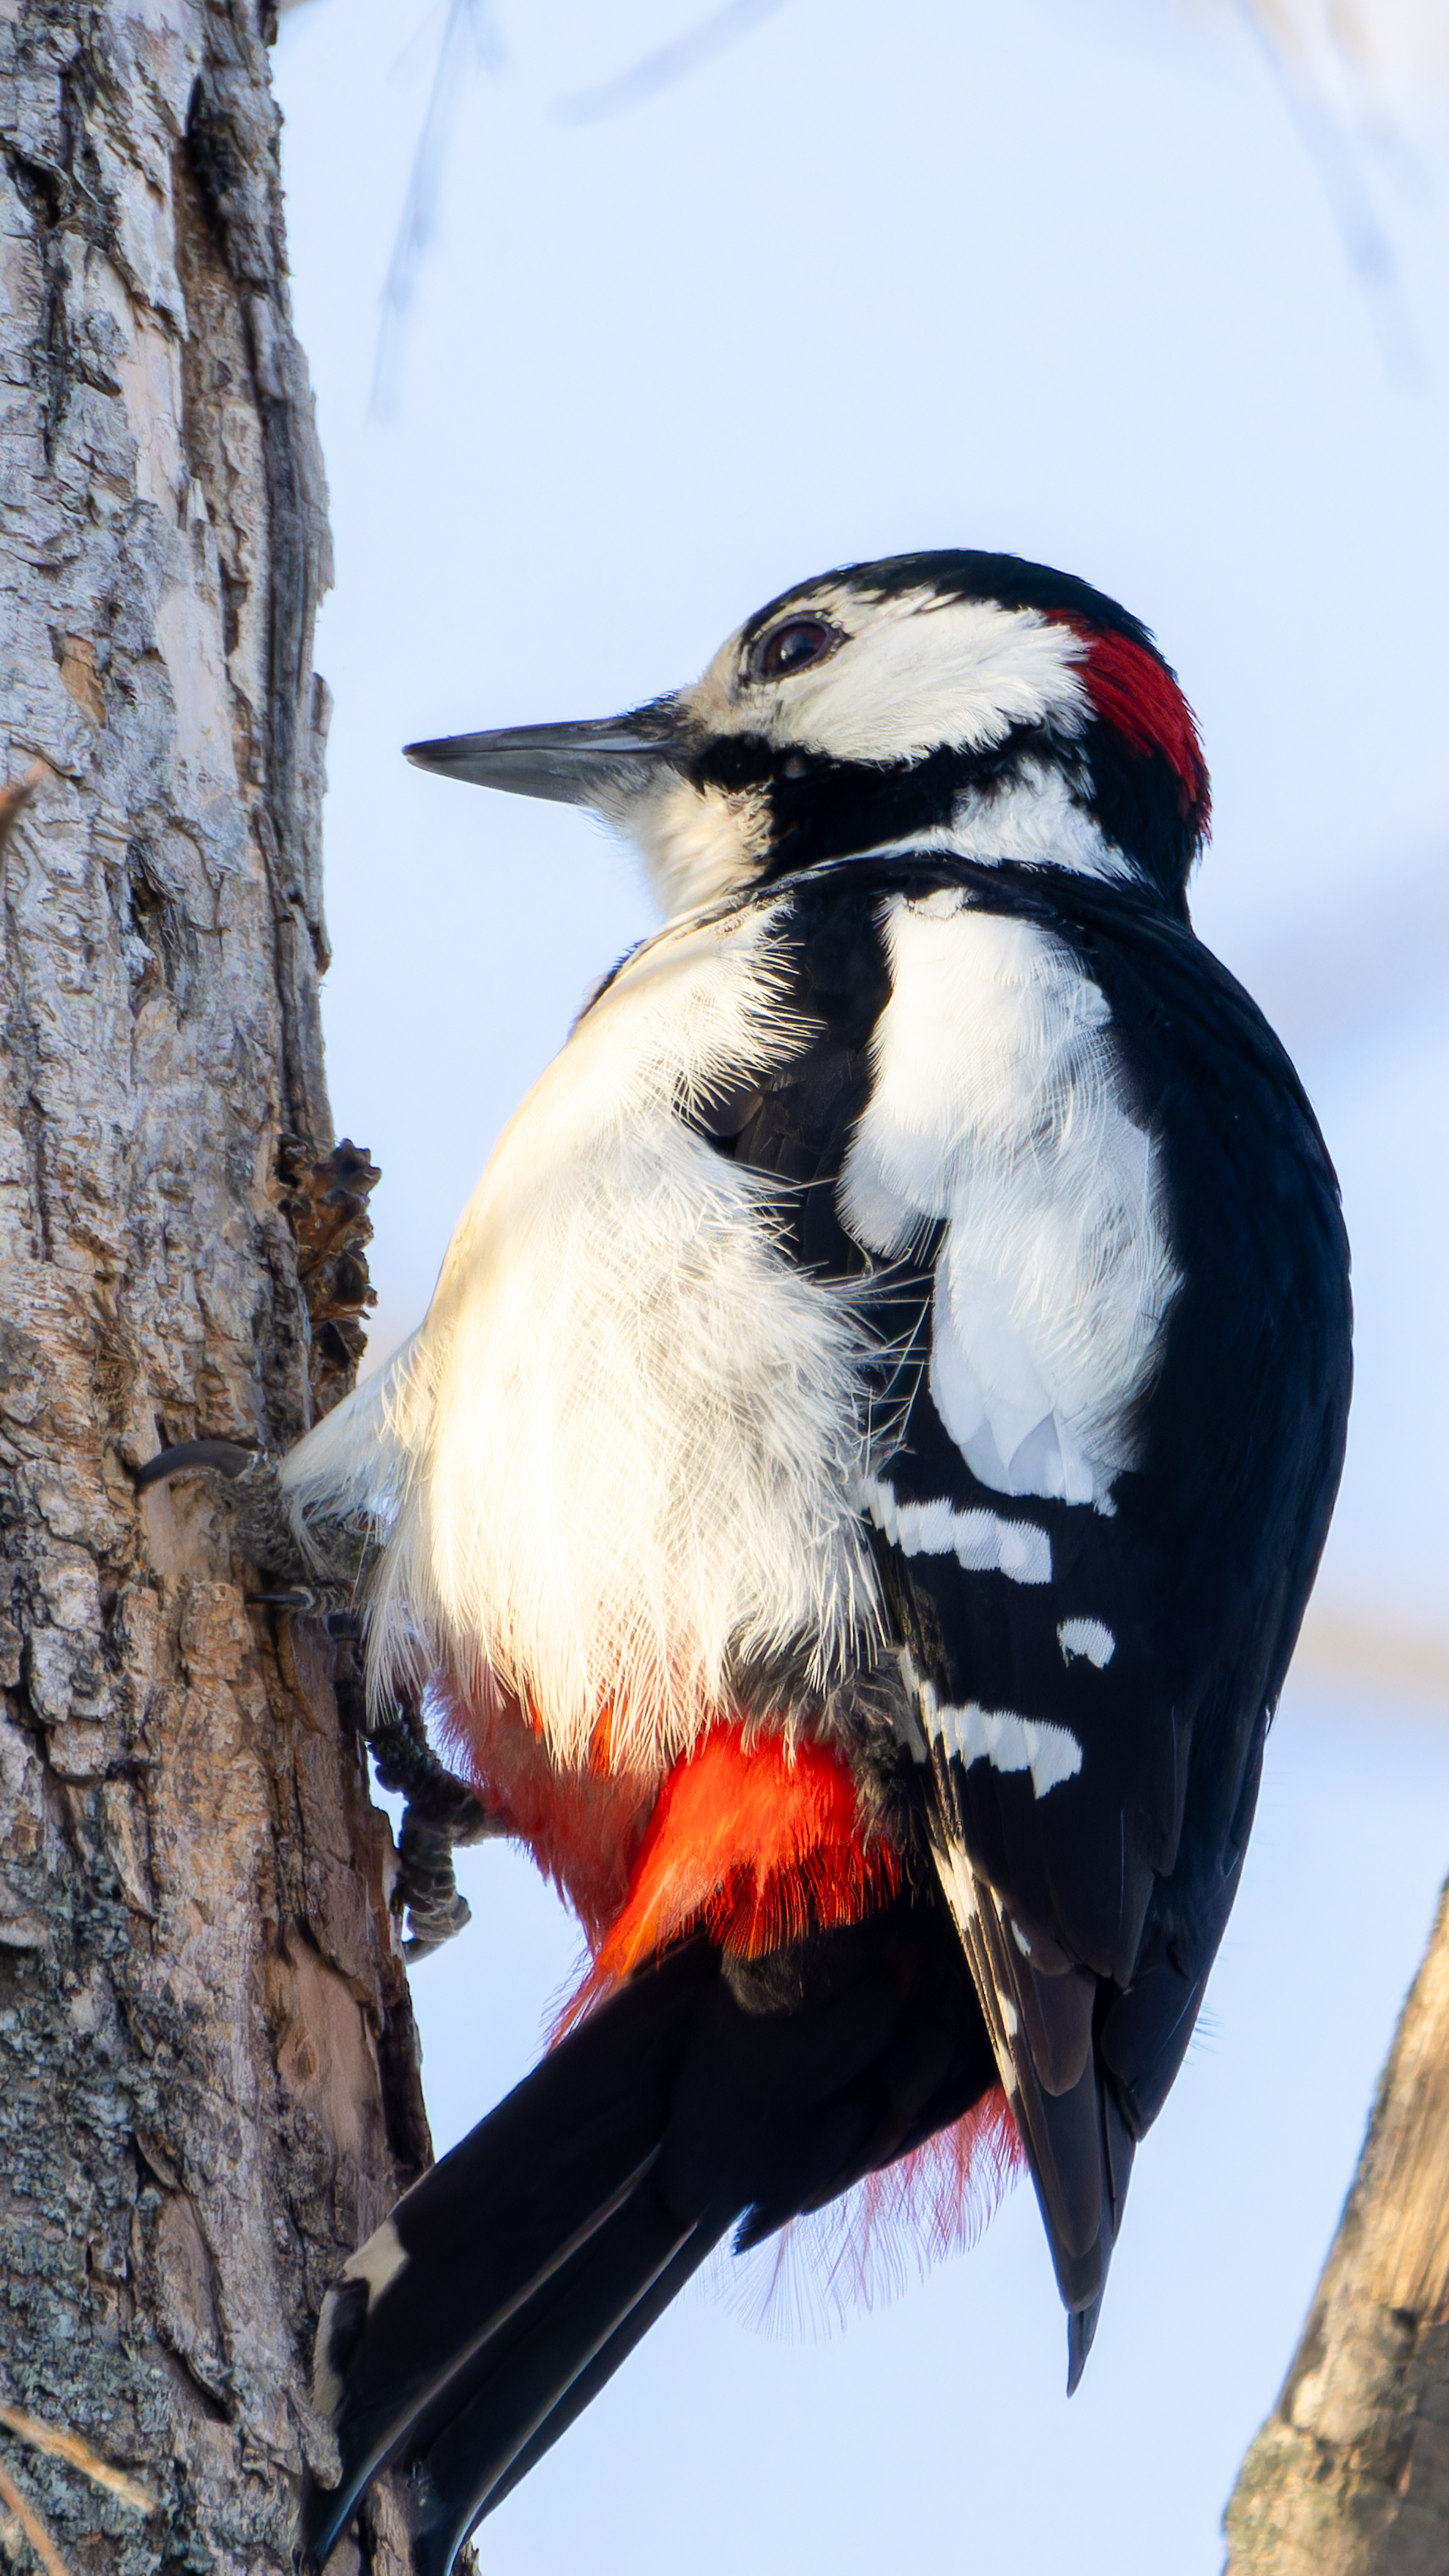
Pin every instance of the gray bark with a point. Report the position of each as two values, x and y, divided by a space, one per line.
1350 2475
209 2087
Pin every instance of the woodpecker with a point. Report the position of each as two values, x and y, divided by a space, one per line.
852 1499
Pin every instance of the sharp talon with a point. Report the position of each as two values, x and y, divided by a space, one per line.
302 1601
219 1457
430 1931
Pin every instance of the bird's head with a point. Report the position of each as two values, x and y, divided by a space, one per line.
965 702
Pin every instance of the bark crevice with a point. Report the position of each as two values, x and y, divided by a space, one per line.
208 2073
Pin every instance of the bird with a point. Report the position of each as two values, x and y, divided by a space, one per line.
850 1504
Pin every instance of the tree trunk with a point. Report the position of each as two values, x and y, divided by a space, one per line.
209 2070
1350 2475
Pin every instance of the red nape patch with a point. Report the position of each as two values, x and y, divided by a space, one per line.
1137 695
755 1843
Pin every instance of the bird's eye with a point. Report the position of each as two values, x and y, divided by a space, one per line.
792 646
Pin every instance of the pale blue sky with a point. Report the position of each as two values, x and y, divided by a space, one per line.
1059 278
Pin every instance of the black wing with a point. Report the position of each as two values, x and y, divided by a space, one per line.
1092 1720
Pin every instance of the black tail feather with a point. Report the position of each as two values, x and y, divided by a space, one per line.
567 2329
585 2388
419 2302
513 2280
414 2413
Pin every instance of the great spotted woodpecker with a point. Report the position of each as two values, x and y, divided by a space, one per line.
853 1496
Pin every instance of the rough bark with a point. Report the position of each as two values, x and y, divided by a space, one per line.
209 2086
1350 2475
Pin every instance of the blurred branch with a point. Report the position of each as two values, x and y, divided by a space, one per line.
1303 43
33 2524
79 2455
669 63
1336 163
465 18
1366 1650
656 71
1384 58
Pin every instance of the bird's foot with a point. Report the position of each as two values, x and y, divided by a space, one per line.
313 1575
441 1812
316 1577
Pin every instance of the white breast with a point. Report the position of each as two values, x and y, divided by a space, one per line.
998 1106
620 1454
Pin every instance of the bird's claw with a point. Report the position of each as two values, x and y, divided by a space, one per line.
441 1812
315 1571
229 1458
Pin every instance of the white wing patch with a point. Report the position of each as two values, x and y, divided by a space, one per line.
997 1105
981 1541
622 1453
1091 1638
1011 1743
1051 1753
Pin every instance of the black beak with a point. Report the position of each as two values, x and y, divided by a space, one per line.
602 763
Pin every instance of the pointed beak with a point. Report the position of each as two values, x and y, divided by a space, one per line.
606 763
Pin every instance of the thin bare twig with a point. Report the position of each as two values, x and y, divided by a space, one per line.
669 63
1330 149
414 232
70 2447
32 2523
1363 1650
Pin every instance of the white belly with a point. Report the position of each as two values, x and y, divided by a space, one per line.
621 1456
626 1453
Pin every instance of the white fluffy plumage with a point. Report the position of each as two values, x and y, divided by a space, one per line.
997 1105
622 1452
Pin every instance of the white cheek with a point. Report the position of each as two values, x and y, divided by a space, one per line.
922 674
1035 823
698 843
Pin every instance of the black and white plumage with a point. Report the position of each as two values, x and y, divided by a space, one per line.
906 1330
